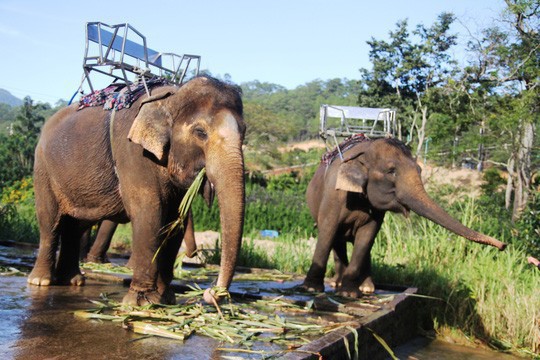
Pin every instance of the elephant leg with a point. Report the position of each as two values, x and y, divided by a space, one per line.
367 286
167 259
314 280
85 244
98 252
146 227
48 219
358 272
67 268
129 263
189 237
340 261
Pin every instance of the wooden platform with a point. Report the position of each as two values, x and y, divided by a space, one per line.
393 321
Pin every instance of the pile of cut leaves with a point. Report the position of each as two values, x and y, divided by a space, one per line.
235 322
10 271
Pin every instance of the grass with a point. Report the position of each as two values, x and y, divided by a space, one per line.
487 294
272 325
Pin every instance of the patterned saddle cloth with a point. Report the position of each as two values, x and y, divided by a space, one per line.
119 96
345 145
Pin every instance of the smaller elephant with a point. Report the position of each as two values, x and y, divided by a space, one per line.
98 251
349 199
106 229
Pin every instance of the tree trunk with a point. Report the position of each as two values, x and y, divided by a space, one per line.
413 128
523 169
422 131
509 182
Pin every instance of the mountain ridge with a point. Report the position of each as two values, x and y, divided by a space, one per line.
7 98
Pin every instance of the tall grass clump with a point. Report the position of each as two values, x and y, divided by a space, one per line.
487 294
293 254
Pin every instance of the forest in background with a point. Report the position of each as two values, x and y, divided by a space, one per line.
482 108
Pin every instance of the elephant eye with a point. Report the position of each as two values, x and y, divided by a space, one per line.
200 133
392 171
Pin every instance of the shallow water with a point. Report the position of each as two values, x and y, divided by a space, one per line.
428 349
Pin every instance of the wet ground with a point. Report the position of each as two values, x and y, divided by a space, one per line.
38 323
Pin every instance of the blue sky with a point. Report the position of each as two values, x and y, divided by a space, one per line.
287 42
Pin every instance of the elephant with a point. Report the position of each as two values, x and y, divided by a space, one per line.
105 232
97 252
348 198
136 164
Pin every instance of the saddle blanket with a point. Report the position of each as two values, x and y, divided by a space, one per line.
345 145
119 96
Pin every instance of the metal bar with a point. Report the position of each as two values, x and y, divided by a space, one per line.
111 40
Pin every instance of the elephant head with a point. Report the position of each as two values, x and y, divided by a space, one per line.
200 125
386 173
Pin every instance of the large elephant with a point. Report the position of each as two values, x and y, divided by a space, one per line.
135 165
348 198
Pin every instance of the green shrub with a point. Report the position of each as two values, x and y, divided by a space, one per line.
17 212
274 203
528 226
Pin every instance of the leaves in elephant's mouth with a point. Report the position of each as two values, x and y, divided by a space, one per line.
183 210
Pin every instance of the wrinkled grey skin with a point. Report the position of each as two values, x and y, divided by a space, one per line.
139 173
349 199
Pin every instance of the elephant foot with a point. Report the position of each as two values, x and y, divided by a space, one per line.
310 286
141 297
335 282
40 276
351 292
97 259
367 287
349 289
77 279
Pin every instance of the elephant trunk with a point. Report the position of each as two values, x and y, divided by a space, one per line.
420 202
227 176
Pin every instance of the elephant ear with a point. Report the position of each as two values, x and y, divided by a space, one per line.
152 126
352 175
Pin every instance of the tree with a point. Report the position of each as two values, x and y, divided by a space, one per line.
300 106
17 147
506 68
406 71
